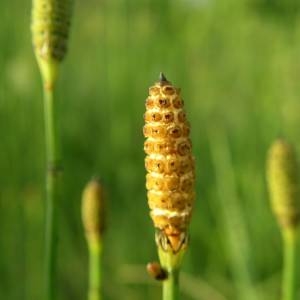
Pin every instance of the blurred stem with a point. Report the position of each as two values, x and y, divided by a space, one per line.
232 216
95 251
290 263
52 191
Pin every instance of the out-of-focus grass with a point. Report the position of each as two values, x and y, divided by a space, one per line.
237 63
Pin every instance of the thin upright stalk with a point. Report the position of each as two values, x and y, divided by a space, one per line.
95 250
171 285
171 263
290 264
52 192
231 217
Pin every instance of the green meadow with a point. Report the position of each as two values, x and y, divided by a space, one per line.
238 65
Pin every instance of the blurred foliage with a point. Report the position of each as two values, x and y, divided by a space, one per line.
239 71
287 9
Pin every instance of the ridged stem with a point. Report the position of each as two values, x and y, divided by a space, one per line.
289 286
95 251
52 192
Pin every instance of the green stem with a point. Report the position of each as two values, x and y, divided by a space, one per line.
171 262
52 193
290 264
171 285
95 251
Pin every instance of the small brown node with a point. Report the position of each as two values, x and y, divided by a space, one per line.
152 116
171 165
158 132
156 200
177 103
181 117
156 117
154 183
172 183
174 131
154 91
164 148
168 117
184 148
178 200
168 90
150 103
170 148
185 166
163 103
186 130
154 165
187 185
159 147
158 184
158 166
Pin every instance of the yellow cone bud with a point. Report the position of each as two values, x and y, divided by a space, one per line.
93 210
169 162
283 183
50 31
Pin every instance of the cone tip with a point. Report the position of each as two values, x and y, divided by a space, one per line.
162 77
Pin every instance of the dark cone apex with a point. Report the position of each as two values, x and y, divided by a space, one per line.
162 77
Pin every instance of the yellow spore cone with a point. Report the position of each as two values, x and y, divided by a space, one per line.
50 31
170 164
93 210
282 176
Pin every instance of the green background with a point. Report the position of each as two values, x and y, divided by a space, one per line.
237 62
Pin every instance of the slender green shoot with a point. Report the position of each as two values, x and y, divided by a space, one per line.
236 236
171 285
95 251
290 278
93 223
50 30
52 191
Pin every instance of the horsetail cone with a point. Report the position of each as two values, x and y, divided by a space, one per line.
50 31
283 183
93 210
169 163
